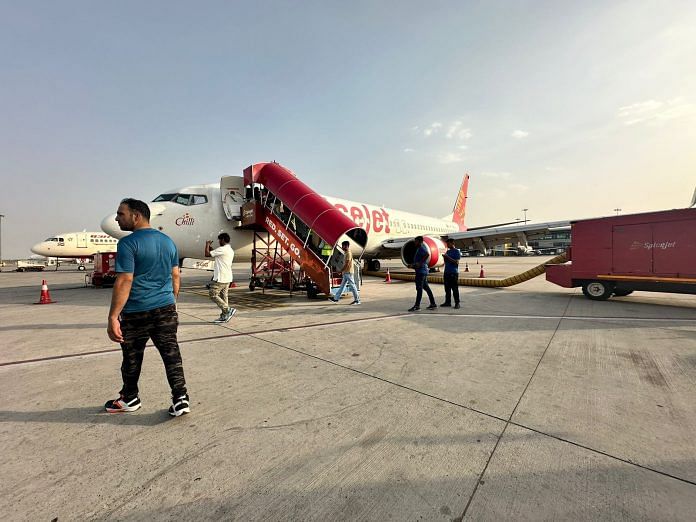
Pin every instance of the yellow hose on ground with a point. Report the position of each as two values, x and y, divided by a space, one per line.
490 283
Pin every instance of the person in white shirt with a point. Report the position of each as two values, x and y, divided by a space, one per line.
222 276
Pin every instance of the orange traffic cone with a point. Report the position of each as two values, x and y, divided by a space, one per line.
466 267
45 295
482 273
232 285
388 278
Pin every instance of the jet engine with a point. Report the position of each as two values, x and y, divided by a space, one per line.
434 246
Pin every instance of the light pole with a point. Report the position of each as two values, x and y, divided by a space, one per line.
1 216
525 215
617 210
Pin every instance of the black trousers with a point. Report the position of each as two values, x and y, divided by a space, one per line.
451 287
160 325
422 284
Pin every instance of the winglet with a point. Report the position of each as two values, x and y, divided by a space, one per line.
460 204
693 200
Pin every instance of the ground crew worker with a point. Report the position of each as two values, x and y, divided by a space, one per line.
420 265
347 279
222 276
451 275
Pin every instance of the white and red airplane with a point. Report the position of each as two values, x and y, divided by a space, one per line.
191 215
80 246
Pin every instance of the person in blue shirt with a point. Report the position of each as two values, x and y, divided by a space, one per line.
143 306
451 275
420 265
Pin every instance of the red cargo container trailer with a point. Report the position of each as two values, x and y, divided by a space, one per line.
653 252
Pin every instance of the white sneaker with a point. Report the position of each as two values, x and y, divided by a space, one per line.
355 303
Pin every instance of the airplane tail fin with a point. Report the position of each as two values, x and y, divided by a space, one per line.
459 211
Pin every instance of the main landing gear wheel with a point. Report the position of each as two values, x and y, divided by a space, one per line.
598 290
373 265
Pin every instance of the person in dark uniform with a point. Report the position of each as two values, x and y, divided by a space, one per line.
451 275
420 265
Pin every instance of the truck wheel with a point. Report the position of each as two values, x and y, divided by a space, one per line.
598 290
622 293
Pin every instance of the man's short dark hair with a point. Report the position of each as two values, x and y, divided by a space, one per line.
137 206
418 238
345 243
224 237
449 240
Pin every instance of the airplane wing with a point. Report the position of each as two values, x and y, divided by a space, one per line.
489 236
499 235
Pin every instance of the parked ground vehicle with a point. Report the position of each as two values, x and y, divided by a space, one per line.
654 252
30 265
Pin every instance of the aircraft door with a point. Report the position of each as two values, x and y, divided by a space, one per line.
232 194
82 240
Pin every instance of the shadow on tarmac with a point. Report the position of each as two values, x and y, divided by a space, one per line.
87 415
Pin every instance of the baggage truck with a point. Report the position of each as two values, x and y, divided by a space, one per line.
653 252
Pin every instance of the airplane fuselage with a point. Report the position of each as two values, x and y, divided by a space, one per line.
190 223
75 245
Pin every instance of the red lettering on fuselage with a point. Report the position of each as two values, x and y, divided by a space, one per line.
377 219
356 215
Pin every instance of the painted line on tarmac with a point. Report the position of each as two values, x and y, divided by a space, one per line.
238 333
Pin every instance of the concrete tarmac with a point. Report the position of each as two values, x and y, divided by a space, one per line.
528 403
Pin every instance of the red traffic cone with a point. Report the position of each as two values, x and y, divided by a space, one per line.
45 295
388 278
466 267
482 273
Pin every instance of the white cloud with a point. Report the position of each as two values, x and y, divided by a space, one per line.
432 129
455 130
408 150
450 157
497 175
656 111
519 134
518 187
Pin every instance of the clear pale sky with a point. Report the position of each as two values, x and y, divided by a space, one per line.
570 109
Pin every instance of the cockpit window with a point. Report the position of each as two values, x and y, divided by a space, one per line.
164 197
183 199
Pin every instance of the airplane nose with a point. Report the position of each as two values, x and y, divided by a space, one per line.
38 249
109 226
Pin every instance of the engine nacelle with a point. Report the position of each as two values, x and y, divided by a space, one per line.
434 246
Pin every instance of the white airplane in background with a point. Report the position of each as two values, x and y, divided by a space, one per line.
76 245
191 215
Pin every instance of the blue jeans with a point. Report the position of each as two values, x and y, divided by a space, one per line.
422 284
347 280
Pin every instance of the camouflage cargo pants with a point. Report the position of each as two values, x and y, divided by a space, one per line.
218 294
160 325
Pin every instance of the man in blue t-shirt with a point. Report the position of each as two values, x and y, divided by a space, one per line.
451 275
143 306
420 265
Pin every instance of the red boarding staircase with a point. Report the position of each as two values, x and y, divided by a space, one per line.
302 222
